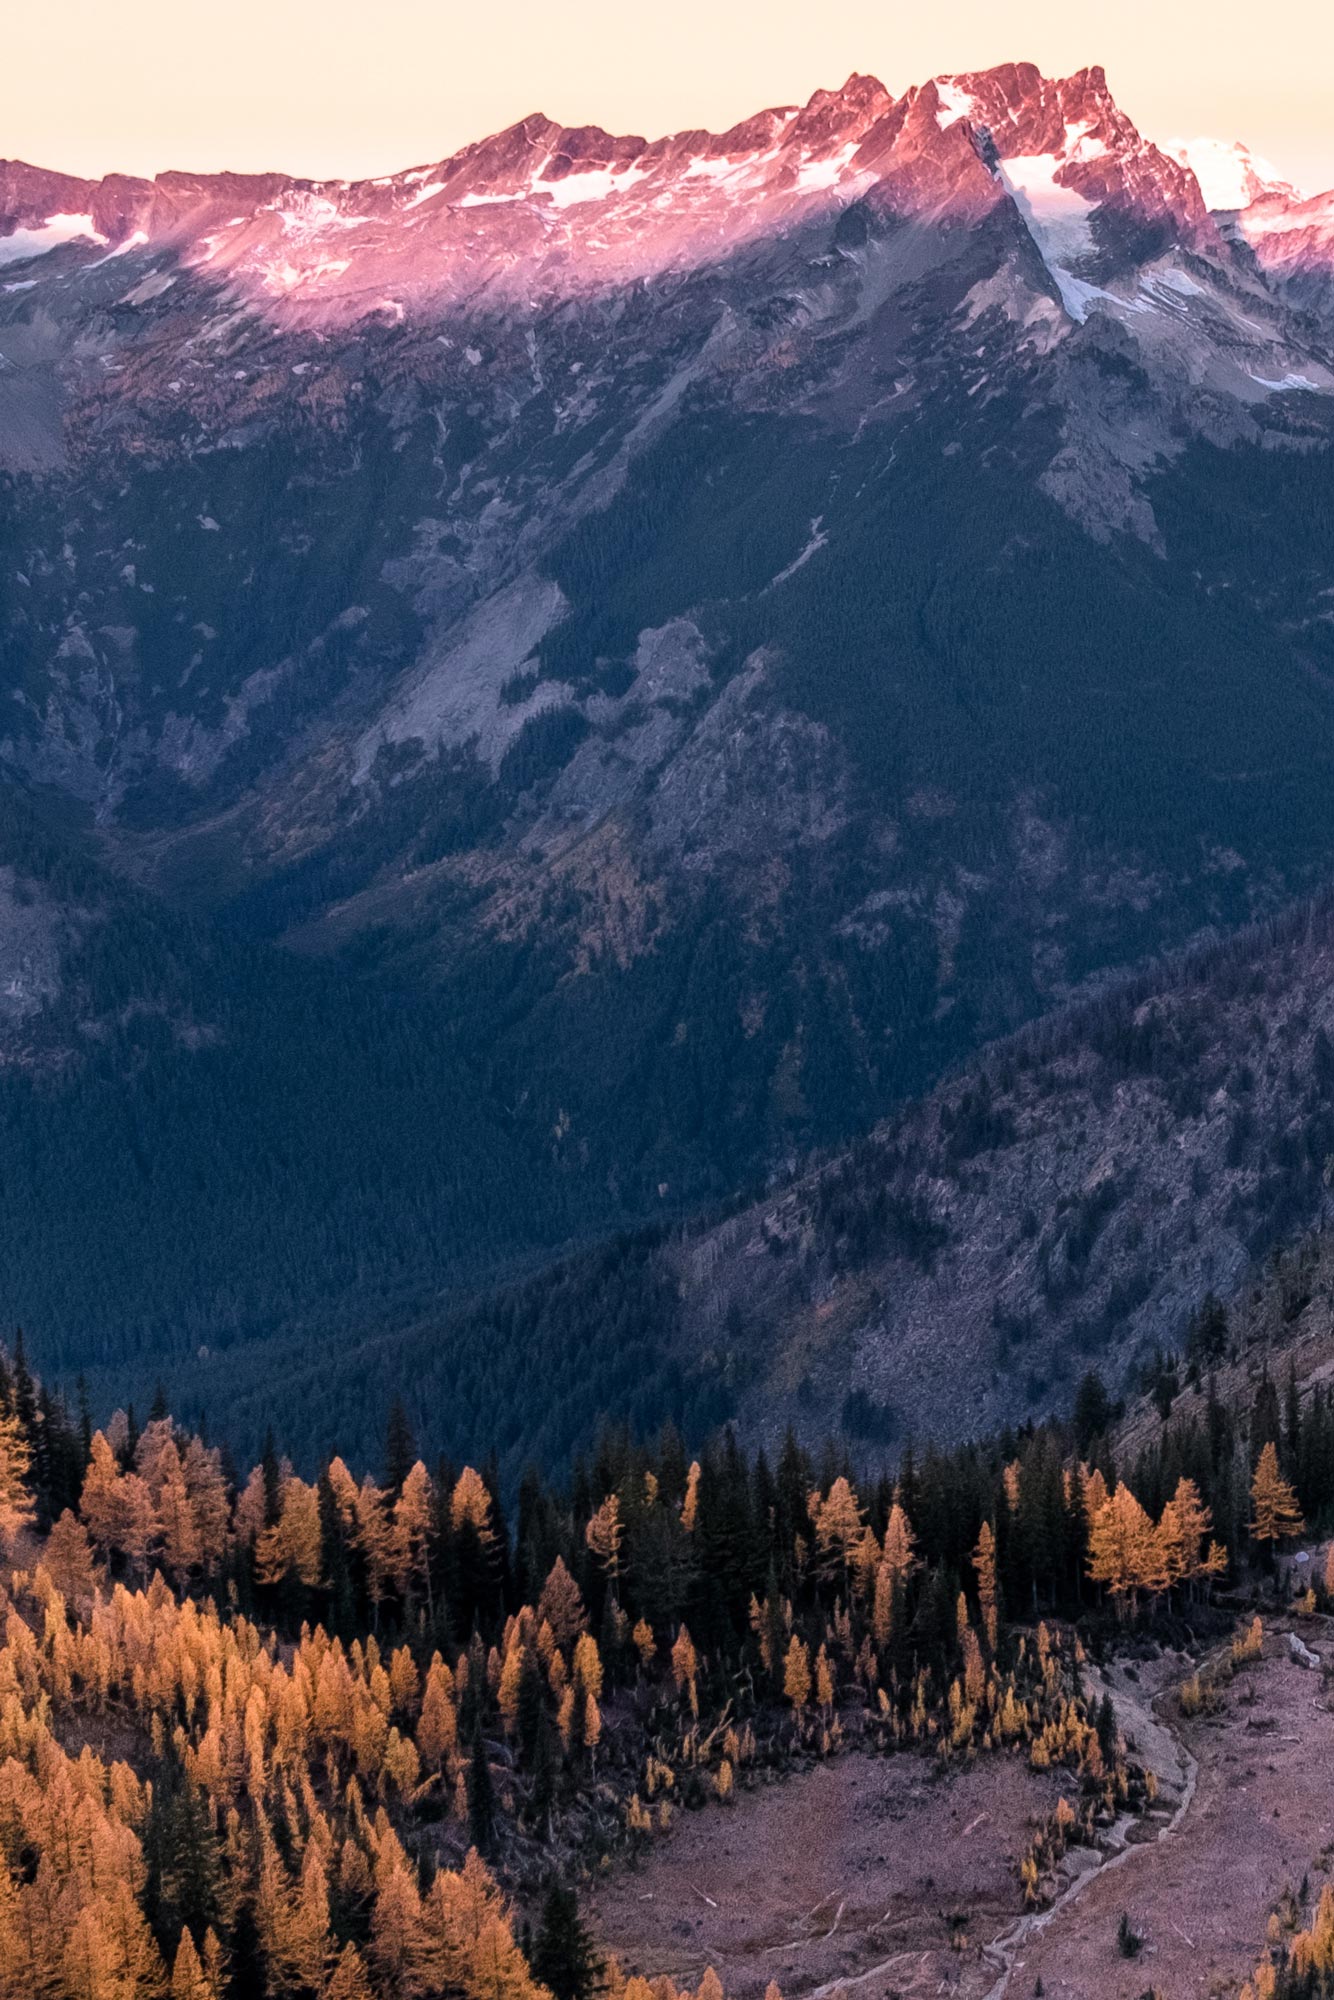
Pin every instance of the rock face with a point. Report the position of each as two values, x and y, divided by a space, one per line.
708 630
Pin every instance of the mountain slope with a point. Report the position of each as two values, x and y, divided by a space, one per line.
1066 1201
699 635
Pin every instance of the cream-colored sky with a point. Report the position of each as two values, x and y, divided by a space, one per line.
351 87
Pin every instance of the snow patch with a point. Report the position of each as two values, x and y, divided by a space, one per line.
815 174
735 169
134 242
1058 220
48 235
595 184
1079 297
1285 382
1058 217
954 103
151 287
309 214
816 541
701 169
1080 146
1176 281
1277 217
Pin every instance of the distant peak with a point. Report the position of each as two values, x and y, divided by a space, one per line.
1230 175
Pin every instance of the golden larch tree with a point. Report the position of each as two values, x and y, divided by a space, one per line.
1277 1516
16 1509
797 1673
984 1562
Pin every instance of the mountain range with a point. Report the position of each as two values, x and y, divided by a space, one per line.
540 691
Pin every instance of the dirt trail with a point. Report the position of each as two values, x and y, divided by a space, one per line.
1253 1814
1158 1749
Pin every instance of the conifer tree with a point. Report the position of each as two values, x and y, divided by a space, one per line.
563 1957
561 1606
604 1535
984 1562
1276 1517
797 1673
400 1448
481 1798
68 1557
1125 1554
16 1500
187 1977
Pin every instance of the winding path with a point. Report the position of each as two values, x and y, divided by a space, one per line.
1143 1726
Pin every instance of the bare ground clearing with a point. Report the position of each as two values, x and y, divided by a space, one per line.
850 1875
845 1874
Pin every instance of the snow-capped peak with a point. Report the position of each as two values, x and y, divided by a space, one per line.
1230 175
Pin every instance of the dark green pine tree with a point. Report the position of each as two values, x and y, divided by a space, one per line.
1265 1425
272 1481
336 1565
563 1957
1092 1412
725 1537
481 1798
65 1461
1292 1420
193 1876
23 1401
1207 1336
183 1857
545 1766
790 1517
1107 1730
247 1970
933 1627
85 1419
400 1447
532 1704
473 1594
131 1444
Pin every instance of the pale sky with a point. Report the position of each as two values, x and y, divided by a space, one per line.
354 87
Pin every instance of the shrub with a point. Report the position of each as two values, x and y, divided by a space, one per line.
1128 1940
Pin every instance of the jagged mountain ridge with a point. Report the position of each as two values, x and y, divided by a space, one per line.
732 624
568 208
